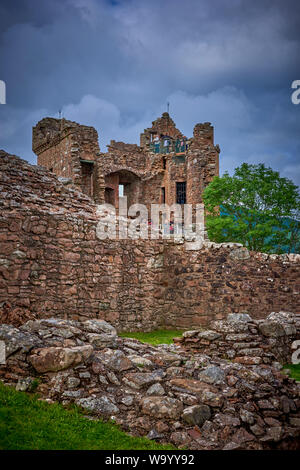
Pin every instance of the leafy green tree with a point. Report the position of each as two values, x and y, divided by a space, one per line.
255 207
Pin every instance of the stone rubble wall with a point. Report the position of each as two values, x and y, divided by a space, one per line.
244 340
193 400
53 264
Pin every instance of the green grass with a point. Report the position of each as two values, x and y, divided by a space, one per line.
295 371
154 337
26 423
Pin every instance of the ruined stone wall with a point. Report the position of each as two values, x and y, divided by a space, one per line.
150 169
162 126
56 159
51 261
123 156
218 279
244 340
176 172
202 162
52 264
61 146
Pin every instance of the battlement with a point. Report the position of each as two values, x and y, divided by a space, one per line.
204 133
50 131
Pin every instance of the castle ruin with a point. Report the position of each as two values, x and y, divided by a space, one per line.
53 264
166 167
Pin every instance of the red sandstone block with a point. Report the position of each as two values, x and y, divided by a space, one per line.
38 229
24 274
66 234
11 274
15 226
71 256
248 360
71 290
13 290
23 302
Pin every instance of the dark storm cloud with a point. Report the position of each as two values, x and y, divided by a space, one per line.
115 65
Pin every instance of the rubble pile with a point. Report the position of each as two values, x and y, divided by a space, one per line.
245 340
192 399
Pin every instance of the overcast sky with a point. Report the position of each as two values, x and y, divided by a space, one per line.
115 65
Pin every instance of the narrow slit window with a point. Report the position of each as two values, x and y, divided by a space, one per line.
181 192
87 168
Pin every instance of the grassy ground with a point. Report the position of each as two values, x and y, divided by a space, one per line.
295 370
154 337
26 423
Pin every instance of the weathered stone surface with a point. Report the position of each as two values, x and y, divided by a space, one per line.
54 359
247 416
138 380
52 326
175 371
209 335
212 375
237 337
190 333
196 415
25 384
103 380
127 400
100 405
212 399
242 436
99 326
72 394
156 390
223 326
265 404
162 407
257 430
115 360
73 382
140 361
226 420
271 329
165 358
233 317
16 340
240 254
273 434
153 434
99 341
190 386
113 378
248 360
180 438
119 362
